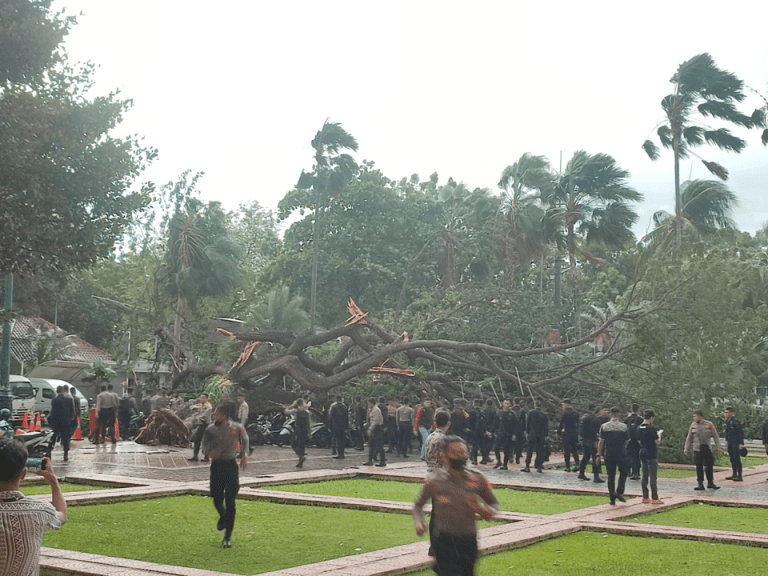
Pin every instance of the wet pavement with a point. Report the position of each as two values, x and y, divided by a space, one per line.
146 471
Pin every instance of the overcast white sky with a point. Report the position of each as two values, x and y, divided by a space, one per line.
238 89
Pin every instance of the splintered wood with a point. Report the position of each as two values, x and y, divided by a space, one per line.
164 427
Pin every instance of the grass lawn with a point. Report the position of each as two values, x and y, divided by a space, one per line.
676 473
530 502
592 553
708 516
181 530
43 488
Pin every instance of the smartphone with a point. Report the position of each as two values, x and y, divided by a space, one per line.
35 464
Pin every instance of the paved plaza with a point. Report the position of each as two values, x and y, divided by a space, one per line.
150 471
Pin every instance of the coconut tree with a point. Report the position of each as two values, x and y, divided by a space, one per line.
523 234
332 170
706 206
701 91
590 202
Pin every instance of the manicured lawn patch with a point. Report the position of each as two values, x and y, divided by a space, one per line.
181 530
676 473
526 501
591 553
709 517
42 488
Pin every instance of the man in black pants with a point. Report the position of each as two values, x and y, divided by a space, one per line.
506 423
301 428
612 446
338 420
375 435
589 426
537 428
701 434
489 427
734 438
522 426
569 431
477 432
220 445
633 447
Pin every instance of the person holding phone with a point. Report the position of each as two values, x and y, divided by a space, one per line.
23 520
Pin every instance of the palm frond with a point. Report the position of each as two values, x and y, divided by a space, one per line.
708 204
724 110
716 169
665 135
764 137
694 135
651 149
723 139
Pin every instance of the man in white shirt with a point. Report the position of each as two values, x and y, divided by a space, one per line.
23 520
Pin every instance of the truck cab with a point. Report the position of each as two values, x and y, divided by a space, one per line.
23 397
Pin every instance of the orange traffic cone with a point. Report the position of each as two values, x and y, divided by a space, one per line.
25 422
19 431
37 426
78 435
117 430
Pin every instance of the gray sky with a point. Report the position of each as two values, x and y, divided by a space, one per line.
238 89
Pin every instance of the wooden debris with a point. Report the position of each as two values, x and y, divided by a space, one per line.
164 427
357 316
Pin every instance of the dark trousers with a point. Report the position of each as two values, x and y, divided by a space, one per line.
225 484
521 440
507 445
299 443
650 472
589 454
704 464
535 444
633 453
404 436
733 454
478 446
376 445
107 423
610 469
454 555
197 438
62 434
570 441
339 440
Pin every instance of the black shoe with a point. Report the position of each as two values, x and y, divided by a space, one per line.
339 457
540 470
381 465
582 477
193 459
497 465
620 498
220 524
612 502
405 455
737 479
369 463
227 542
699 487
634 477
598 480
713 487
526 469
484 462
730 477
206 459
567 469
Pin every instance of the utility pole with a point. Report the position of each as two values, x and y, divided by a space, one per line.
6 398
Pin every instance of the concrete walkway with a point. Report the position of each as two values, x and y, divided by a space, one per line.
140 472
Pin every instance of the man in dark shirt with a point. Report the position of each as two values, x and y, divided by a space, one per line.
537 429
476 432
569 431
359 414
506 423
338 421
589 425
459 419
649 441
522 424
489 427
301 428
612 446
633 447
734 437
60 418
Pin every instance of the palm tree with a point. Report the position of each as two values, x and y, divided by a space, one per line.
707 206
280 311
332 170
590 202
700 87
200 259
523 235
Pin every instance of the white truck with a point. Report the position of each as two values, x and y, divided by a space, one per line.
23 398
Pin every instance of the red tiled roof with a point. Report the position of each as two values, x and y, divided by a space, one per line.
28 329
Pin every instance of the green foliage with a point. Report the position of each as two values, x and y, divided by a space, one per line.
280 311
98 372
65 181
